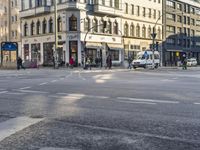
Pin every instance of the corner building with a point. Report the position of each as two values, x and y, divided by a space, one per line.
80 27
138 20
181 30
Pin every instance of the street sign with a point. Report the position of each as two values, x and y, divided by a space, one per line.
9 46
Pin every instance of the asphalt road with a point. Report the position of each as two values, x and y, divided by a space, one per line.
50 109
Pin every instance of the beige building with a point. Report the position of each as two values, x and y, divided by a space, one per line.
10 25
138 20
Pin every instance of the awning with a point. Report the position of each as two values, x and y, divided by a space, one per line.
116 46
93 45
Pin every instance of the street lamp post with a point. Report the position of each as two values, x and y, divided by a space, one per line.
55 54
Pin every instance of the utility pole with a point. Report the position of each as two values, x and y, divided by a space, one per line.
55 54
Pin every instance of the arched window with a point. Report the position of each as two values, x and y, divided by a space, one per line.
50 25
95 25
59 24
101 26
132 30
144 32
38 27
44 26
25 29
72 23
32 28
87 24
126 29
159 34
115 28
138 31
109 27
149 32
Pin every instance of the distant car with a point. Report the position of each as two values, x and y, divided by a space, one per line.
191 62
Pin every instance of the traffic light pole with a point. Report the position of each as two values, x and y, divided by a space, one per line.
153 49
55 54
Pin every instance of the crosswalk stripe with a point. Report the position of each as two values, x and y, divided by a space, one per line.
3 92
11 126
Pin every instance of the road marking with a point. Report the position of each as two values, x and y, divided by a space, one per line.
28 87
148 103
31 91
13 93
9 127
197 103
134 133
2 92
77 94
2 89
43 83
54 148
54 81
148 100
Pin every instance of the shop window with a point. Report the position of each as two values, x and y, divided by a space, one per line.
114 54
72 23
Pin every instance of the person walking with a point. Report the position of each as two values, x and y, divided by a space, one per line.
129 62
71 62
184 63
19 64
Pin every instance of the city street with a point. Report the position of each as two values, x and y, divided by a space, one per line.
47 109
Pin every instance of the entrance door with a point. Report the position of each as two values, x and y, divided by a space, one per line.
73 51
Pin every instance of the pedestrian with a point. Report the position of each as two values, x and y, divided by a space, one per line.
184 62
71 62
19 64
129 62
109 62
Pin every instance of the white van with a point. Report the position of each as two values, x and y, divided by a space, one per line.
144 59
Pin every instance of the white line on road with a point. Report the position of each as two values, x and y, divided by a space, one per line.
31 91
148 103
53 148
43 83
12 126
28 87
14 93
78 94
2 92
148 100
54 81
197 103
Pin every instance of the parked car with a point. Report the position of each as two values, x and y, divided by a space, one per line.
191 62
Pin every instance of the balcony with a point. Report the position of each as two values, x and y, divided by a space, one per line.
72 6
35 11
107 10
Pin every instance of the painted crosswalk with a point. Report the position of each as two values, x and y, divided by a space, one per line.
11 126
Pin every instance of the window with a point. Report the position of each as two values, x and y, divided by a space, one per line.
170 29
38 27
50 25
159 34
144 32
32 28
72 23
44 26
115 28
87 24
132 28
170 16
117 4
126 29
114 55
149 32
25 29
150 13
138 10
95 25
170 4
59 24
144 12
101 26
138 31
126 8
109 27
132 11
